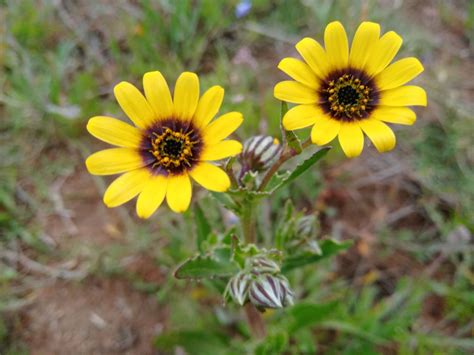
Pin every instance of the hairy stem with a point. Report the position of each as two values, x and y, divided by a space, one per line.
248 222
255 321
252 315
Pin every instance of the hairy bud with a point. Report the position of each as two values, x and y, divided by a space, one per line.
268 291
262 265
237 288
259 153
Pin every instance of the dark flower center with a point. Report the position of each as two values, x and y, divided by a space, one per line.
348 95
171 147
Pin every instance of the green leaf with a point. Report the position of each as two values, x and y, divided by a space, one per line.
226 201
291 138
203 228
328 247
273 344
241 252
307 314
205 267
281 179
349 328
300 169
193 341
277 180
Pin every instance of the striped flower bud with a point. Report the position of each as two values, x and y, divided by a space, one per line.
259 152
262 265
268 291
237 288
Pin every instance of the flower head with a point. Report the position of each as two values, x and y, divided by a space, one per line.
345 94
172 140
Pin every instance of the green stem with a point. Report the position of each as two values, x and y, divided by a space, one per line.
252 315
247 221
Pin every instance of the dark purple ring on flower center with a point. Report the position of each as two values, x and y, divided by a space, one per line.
171 146
348 95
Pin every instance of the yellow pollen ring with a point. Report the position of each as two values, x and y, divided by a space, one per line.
172 149
347 96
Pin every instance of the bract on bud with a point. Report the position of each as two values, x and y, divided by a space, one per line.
262 265
268 291
237 288
259 152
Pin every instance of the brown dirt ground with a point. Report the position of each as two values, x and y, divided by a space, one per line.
94 315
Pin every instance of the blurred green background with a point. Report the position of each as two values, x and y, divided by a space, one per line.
78 278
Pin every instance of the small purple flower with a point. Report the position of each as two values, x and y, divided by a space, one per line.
243 8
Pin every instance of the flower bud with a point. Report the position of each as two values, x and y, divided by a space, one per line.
237 288
259 153
262 265
268 291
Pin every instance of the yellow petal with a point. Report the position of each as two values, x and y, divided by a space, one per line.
221 150
222 127
210 177
299 71
134 104
178 193
383 53
398 73
113 131
365 39
158 94
208 106
152 196
126 187
301 116
315 55
114 161
336 44
325 130
403 96
400 115
379 133
186 95
292 91
351 139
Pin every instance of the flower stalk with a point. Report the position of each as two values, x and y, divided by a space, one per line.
252 315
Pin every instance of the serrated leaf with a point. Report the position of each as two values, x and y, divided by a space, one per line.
280 180
205 267
305 165
203 228
328 247
277 180
307 314
241 253
245 193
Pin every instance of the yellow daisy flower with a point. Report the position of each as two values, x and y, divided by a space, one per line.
172 140
344 93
